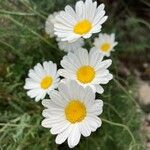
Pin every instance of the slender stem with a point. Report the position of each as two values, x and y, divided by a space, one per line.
142 21
109 105
30 30
120 125
16 13
5 125
32 9
8 45
9 124
145 2
126 92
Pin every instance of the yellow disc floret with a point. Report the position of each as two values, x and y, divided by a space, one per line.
75 111
46 82
82 27
85 74
105 47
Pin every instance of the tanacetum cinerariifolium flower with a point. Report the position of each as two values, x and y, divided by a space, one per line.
63 45
87 69
73 46
105 43
72 111
49 25
42 79
85 20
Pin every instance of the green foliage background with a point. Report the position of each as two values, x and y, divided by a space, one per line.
23 43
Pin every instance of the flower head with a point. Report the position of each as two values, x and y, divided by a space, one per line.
73 46
105 43
49 25
85 20
42 80
87 69
71 112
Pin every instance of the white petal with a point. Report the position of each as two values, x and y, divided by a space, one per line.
94 123
74 136
60 127
94 57
64 91
66 74
55 117
98 17
85 128
39 70
61 137
67 17
82 54
88 35
41 96
31 84
96 108
104 80
89 96
92 11
57 98
34 92
96 28
77 91
70 11
63 21
32 74
100 7
67 64
104 64
75 59
46 103
79 9
46 123
48 67
96 119
48 113
99 89
88 4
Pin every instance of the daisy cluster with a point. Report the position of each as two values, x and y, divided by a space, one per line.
72 109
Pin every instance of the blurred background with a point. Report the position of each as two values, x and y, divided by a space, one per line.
23 43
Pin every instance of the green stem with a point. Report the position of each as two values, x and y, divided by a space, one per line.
9 124
32 9
109 105
16 13
8 45
143 22
121 125
126 92
30 30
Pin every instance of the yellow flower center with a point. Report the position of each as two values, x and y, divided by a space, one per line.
75 111
82 27
85 74
105 47
46 82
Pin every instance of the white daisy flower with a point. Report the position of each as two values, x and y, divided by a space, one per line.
105 43
49 25
87 69
85 20
42 80
73 46
71 112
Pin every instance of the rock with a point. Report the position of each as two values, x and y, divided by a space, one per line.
144 95
147 118
145 131
148 146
